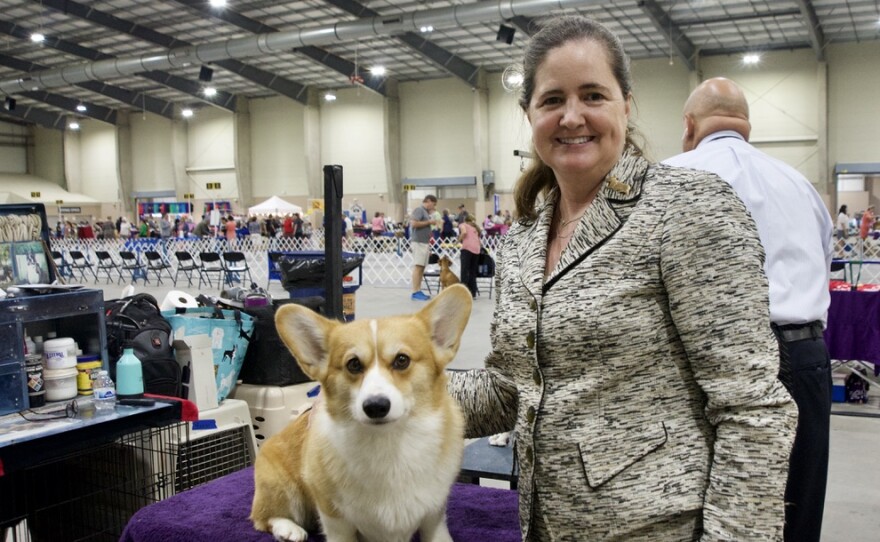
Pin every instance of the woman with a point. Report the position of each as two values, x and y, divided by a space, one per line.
469 237
639 377
842 223
448 231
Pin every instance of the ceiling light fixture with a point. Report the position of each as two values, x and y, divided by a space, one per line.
751 58
186 112
36 37
378 71
81 108
209 92
330 97
73 125
218 3
427 28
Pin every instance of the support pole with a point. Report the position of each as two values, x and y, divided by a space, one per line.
333 242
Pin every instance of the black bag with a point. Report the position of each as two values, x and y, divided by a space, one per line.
268 362
137 319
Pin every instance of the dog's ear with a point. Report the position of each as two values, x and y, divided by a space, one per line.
446 316
305 333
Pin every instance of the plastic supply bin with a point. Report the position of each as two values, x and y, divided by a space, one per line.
302 275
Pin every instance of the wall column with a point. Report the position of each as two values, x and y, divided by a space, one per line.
312 127
242 143
124 166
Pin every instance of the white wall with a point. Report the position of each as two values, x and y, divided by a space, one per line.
151 157
853 109
437 129
13 157
278 148
211 154
509 130
659 92
353 136
91 160
48 155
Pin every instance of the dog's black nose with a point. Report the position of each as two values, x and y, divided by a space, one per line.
376 407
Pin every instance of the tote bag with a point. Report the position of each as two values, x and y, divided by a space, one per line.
230 332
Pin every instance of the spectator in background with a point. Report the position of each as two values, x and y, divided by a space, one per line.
377 225
108 229
867 224
125 229
165 226
795 229
231 229
253 226
347 226
438 224
462 214
202 229
842 223
419 239
287 228
447 232
297 226
270 228
469 237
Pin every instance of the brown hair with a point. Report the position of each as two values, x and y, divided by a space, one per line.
538 179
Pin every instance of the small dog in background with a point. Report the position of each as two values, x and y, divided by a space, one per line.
447 277
375 458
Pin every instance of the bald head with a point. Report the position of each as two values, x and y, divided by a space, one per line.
717 104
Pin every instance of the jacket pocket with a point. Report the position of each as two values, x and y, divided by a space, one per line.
611 451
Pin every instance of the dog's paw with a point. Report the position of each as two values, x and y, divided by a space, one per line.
286 530
501 439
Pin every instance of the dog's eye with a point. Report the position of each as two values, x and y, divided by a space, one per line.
354 366
401 362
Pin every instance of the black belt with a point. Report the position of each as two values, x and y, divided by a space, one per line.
799 332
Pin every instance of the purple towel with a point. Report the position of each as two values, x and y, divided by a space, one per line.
218 512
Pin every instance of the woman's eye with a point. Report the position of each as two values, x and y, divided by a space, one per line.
354 366
594 97
400 362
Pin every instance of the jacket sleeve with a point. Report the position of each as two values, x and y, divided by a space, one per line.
712 267
488 397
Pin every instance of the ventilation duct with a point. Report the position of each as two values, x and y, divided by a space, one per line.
264 44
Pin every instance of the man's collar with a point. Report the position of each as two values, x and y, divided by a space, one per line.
720 135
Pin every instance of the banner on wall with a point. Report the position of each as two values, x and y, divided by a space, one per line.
160 208
224 207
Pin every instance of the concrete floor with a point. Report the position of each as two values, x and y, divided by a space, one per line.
852 507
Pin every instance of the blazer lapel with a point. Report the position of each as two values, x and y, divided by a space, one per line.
532 250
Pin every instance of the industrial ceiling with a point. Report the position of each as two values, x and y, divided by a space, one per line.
147 55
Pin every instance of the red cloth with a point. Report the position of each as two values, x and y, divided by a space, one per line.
189 412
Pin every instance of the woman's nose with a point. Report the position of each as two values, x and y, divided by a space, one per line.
572 114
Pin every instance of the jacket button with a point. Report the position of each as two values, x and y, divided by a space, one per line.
530 339
533 305
530 414
536 375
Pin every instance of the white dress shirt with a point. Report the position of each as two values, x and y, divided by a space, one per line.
793 223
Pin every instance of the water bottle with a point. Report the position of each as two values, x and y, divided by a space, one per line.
104 392
129 375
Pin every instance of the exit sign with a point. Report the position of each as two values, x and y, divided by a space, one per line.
409 187
35 194
189 196
213 186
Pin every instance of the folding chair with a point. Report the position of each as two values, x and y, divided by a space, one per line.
105 263
432 273
156 263
211 263
61 265
486 270
235 264
79 262
187 264
131 262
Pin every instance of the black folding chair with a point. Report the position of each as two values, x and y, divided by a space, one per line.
107 264
62 265
157 264
211 263
80 263
431 275
486 270
188 265
235 268
131 262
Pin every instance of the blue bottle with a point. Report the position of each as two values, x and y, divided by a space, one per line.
129 376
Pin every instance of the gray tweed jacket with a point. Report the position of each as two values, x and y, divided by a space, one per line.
640 375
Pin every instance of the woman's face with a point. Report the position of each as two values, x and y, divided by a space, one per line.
578 112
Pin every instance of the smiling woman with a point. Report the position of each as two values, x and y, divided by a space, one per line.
639 414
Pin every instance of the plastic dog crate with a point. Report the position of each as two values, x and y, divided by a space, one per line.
273 407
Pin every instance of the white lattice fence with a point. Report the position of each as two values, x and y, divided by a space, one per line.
387 260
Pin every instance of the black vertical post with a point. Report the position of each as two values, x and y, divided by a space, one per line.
333 242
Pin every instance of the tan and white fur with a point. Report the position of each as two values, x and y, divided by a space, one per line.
375 459
447 276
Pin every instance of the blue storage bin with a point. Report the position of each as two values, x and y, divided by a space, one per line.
838 394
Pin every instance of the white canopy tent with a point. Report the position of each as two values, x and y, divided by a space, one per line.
275 206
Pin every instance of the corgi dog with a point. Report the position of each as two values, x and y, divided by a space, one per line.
375 458
447 277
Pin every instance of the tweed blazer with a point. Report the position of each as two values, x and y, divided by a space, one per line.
640 375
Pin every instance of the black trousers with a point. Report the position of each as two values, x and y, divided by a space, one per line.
469 266
805 370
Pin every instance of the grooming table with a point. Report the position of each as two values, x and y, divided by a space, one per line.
218 512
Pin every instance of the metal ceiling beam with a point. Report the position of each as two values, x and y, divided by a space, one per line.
262 44
817 37
733 17
97 112
37 116
266 79
137 99
670 32
222 99
447 60
322 56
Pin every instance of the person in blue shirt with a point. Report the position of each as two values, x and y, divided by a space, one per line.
795 228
